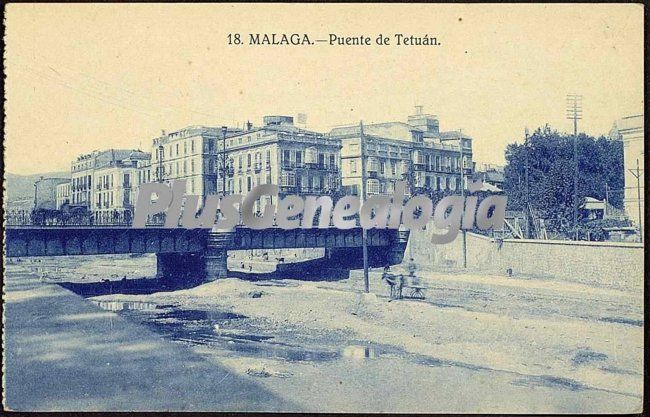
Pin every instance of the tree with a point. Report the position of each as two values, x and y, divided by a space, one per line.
550 174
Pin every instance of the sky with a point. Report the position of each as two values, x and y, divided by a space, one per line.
94 76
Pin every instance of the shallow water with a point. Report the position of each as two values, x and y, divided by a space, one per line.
227 332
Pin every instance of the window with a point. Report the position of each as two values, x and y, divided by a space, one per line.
332 161
192 145
192 166
288 179
298 157
382 167
311 155
372 186
177 153
249 183
393 168
353 166
248 161
241 161
268 157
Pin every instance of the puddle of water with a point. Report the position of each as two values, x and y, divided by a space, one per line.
227 333
217 329
125 305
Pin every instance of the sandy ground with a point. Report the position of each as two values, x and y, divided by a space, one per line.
476 344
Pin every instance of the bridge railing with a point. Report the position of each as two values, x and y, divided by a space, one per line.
38 219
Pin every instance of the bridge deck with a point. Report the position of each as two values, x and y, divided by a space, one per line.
27 240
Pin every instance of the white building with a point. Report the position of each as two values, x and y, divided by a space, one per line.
297 160
631 131
190 154
398 151
105 182
62 195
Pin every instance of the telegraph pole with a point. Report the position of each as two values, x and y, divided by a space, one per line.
574 112
527 210
364 232
637 174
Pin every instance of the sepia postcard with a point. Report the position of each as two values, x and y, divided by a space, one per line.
324 207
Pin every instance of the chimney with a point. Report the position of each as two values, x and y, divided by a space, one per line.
249 125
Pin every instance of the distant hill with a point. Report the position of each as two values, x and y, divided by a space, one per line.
21 187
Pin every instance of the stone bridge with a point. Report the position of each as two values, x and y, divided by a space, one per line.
201 252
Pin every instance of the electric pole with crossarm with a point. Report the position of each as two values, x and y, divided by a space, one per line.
574 112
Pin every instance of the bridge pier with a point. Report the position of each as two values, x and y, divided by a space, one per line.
180 268
216 264
216 255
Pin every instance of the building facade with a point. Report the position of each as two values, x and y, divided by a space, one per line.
116 185
631 132
62 195
189 154
297 160
416 152
105 182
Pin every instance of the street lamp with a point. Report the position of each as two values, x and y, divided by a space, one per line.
224 131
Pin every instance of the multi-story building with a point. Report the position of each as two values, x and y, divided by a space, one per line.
631 132
62 194
190 154
104 182
416 152
297 160
115 187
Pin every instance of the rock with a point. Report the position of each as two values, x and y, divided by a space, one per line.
255 294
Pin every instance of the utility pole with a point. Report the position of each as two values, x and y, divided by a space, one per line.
527 199
637 174
574 112
364 232
462 193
